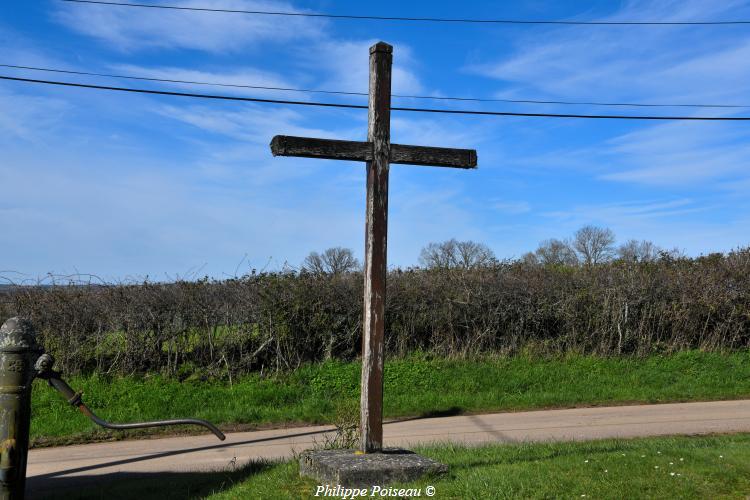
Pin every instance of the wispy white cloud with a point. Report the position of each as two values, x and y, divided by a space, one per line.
231 81
639 63
324 61
444 132
118 216
617 213
679 154
30 117
739 186
252 123
232 146
711 156
130 29
512 207
345 67
649 65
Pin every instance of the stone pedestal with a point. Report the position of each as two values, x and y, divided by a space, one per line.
352 469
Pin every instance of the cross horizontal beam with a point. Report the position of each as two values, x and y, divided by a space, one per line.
285 145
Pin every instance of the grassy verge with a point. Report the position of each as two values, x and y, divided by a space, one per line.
712 467
675 467
414 386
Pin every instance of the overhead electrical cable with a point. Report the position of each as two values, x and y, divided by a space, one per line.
183 94
340 92
412 19
360 106
190 82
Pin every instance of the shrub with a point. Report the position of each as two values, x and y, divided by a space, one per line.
277 321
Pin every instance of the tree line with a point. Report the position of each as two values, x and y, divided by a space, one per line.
589 245
592 245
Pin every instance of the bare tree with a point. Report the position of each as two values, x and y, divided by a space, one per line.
594 244
313 263
335 260
472 254
639 251
529 258
340 260
438 255
673 254
556 252
456 254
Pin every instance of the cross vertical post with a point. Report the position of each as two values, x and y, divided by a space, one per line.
378 153
376 244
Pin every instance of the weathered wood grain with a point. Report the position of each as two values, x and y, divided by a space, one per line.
284 145
376 239
437 157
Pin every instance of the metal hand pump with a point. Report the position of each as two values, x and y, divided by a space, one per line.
21 360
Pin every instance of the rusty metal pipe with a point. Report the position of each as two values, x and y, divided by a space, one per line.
44 370
74 398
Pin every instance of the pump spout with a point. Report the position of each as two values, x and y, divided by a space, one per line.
44 370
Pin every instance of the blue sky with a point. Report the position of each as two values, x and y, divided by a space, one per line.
124 186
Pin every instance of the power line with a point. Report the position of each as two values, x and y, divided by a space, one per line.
167 80
339 92
393 108
413 19
184 94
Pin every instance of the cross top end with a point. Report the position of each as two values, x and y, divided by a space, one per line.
381 47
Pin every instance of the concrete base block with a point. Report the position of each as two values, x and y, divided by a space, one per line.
348 468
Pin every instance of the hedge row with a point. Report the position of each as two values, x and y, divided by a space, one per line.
276 321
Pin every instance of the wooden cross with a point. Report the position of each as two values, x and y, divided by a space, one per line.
379 153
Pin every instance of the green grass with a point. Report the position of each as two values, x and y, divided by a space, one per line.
414 386
660 468
560 470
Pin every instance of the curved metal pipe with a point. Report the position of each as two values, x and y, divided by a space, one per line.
74 399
